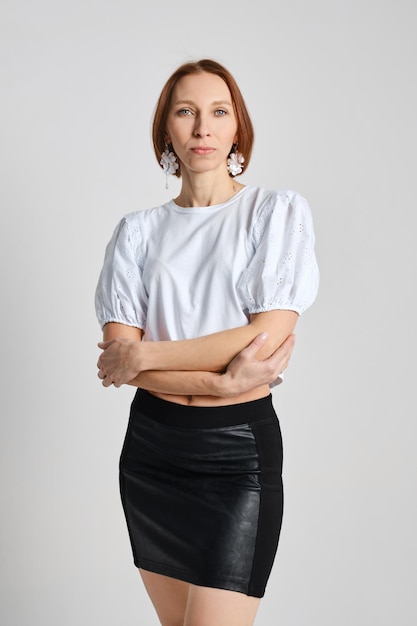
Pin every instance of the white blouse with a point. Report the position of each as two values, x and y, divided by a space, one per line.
180 273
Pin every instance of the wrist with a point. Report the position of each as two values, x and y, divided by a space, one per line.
140 356
224 385
156 355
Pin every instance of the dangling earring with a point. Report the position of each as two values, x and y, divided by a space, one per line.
235 161
168 163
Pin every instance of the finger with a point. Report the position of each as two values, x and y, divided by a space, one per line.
283 353
288 344
105 344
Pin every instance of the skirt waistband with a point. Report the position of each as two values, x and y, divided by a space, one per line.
173 414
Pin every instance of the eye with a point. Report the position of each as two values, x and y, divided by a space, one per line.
184 112
220 112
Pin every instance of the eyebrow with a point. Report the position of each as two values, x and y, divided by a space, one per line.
215 103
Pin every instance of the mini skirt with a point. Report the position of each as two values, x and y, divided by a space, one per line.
202 492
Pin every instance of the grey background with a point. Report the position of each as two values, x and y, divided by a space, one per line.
331 88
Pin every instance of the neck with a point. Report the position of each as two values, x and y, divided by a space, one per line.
204 191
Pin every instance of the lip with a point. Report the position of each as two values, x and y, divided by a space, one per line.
202 150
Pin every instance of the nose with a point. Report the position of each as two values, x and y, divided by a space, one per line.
201 126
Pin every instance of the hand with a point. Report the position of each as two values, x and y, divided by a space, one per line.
118 363
246 372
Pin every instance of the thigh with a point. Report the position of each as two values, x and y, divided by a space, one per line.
207 606
168 595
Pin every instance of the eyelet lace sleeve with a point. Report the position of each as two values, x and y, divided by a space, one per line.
283 272
120 295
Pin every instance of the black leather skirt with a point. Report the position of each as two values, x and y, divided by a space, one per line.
202 491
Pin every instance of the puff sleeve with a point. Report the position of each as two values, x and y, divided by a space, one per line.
120 294
283 271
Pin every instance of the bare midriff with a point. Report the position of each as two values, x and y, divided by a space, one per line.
248 396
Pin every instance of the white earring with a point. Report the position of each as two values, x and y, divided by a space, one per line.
168 163
235 162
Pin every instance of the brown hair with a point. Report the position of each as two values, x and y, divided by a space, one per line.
245 133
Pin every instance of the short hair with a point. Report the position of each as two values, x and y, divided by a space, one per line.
245 132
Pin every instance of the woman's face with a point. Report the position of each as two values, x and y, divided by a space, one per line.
201 123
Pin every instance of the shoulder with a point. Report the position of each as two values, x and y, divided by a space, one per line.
136 223
261 199
140 216
286 199
277 209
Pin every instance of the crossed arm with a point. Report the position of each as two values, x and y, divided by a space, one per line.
221 364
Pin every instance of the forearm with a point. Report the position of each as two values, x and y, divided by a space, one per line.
195 383
125 355
244 373
212 353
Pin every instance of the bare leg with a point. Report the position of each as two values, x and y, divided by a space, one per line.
168 595
218 607
178 603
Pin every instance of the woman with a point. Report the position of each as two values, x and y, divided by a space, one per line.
198 300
